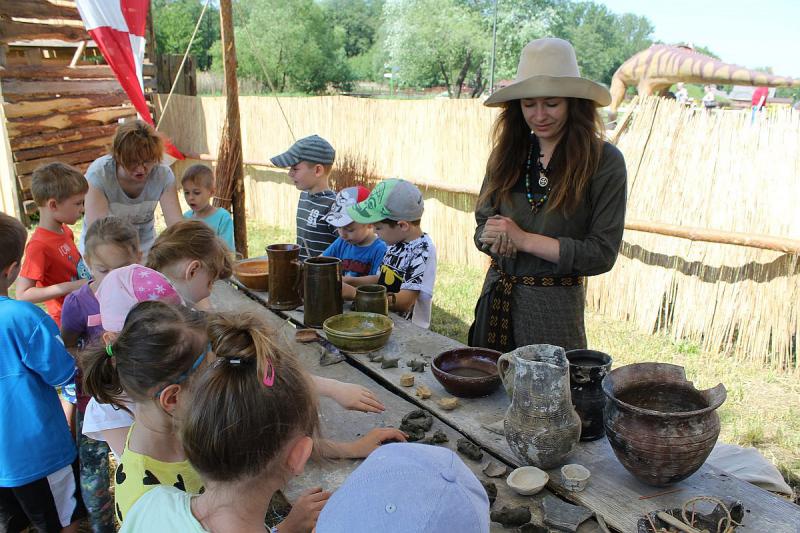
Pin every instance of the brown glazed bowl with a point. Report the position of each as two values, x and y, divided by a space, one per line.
253 273
358 332
467 372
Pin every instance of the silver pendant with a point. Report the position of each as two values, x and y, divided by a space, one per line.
543 181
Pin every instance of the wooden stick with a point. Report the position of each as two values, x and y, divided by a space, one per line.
657 494
674 522
752 240
232 150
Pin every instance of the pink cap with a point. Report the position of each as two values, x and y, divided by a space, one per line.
124 287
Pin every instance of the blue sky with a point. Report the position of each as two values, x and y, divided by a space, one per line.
750 33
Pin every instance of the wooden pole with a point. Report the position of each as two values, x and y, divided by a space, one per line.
230 149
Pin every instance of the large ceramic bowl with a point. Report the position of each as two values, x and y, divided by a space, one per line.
467 372
253 273
358 332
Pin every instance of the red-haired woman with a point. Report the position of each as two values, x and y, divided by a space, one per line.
552 206
130 181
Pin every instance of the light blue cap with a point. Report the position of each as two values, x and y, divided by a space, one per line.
408 488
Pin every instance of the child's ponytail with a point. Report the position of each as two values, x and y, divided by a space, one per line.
248 404
100 377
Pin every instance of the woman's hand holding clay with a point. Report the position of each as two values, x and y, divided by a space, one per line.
305 511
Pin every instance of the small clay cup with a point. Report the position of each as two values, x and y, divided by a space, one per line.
372 299
527 480
467 372
575 477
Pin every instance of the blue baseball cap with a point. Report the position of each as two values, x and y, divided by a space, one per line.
408 488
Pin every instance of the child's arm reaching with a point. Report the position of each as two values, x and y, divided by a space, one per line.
348 395
362 447
403 301
305 511
27 291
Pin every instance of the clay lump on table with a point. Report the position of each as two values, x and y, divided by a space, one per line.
416 365
390 362
415 424
469 449
423 392
407 380
512 516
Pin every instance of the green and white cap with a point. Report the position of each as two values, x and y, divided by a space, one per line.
392 199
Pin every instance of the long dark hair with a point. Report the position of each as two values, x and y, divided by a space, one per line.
574 161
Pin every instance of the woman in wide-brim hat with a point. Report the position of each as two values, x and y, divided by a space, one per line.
552 205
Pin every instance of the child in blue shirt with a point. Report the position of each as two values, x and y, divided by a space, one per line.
38 459
360 250
199 186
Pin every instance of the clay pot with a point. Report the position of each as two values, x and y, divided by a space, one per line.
285 276
660 426
540 425
372 299
587 368
322 286
467 372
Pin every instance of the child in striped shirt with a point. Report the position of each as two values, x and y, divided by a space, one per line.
310 161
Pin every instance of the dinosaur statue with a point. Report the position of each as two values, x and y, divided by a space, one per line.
654 70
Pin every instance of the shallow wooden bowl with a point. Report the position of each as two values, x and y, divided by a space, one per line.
253 273
467 372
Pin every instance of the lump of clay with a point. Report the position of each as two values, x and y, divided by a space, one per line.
415 424
448 404
494 469
439 437
512 516
407 380
469 449
390 362
416 365
491 491
423 392
375 357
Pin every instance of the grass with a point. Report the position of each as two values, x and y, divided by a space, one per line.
763 406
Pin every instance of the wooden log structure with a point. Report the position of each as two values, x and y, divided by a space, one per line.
63 108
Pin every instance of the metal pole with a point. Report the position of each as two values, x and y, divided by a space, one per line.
494 49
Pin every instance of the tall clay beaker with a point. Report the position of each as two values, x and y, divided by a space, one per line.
541 426
285 276
587 368
322 283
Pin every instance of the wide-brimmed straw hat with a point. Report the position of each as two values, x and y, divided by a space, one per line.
548 67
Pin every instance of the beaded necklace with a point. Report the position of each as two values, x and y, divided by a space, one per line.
537 198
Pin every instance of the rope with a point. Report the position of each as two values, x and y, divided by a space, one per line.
266 74
183 62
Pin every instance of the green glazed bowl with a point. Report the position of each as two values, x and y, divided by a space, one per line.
358 332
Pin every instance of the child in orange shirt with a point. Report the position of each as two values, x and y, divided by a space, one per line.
53 267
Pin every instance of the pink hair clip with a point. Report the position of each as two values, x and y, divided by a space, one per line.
269 375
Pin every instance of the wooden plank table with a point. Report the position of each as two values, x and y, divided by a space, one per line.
612 492
339 424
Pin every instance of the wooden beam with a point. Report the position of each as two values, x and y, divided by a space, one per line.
76 134
751 240
60 149
39 9
25 179
61 121
27 72
33 108
29 31
24 90
230 149
73 158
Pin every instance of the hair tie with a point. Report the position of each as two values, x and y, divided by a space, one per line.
109 351
269 375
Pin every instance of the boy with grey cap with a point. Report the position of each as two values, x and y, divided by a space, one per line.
408 488
310 161
408 270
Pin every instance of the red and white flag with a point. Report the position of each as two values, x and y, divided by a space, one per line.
118 28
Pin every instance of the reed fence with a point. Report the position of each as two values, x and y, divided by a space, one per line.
713 174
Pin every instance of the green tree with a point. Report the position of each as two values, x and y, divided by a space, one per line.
174 22
360 20
437 41
290 44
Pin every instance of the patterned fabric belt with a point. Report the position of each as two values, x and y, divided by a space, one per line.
501 330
